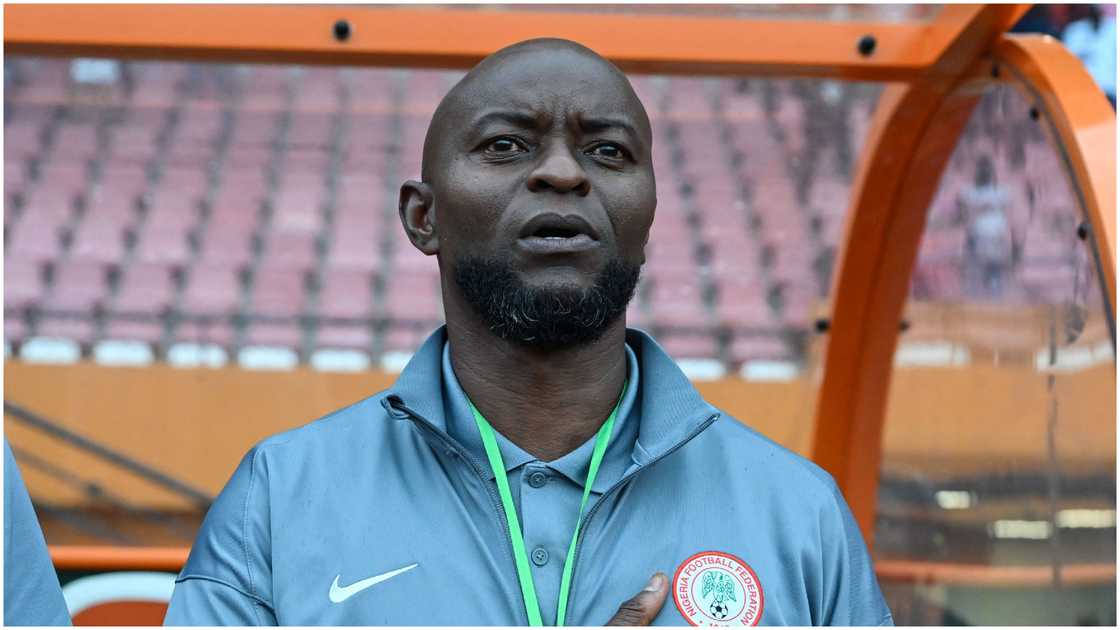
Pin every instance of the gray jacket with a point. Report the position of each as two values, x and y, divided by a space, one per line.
747 531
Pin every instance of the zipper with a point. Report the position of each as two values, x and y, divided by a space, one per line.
621 482
495 501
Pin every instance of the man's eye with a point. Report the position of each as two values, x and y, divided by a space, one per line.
503 145
608 150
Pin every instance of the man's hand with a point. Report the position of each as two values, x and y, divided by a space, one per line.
640 609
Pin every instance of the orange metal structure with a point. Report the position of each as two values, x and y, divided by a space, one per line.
938 68
459 38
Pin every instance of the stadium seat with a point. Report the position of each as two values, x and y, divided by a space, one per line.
278 292
289 250
23 283
346 294
211 290
78 287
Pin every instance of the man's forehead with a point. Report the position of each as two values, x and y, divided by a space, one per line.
536 78
541 81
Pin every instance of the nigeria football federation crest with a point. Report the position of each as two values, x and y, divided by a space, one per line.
717 589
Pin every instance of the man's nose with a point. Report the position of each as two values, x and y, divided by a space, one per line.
559 171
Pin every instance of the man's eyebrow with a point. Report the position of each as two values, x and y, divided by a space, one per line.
603 123
518 119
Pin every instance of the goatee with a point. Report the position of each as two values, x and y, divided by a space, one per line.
549 317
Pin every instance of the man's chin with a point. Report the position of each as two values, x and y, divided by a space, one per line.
557 279
560 307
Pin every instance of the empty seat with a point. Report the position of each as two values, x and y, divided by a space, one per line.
677 302
80 331
346 294
34 240
78 287
145 288
403 338
150 332
691 345
98 241
748 309
311 129
217 332
15 329
164 244
50 203
74 142
278 292
413 297
289 250
211 290
273 334
749 348
228 246
351 255
339 336
23 283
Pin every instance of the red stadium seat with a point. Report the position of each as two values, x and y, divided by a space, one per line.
346 294
278 292
211 290
145 288
270 334
78 287
351 337
23 283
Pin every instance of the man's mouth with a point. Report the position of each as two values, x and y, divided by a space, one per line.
551 233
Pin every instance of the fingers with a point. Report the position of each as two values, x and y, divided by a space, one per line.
641 609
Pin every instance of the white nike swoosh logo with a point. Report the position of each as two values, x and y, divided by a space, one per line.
340 594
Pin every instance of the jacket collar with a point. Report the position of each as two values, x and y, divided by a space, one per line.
671 409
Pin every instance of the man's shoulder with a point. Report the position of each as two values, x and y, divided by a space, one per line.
751 454
367 417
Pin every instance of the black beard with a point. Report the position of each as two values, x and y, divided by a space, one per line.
545 318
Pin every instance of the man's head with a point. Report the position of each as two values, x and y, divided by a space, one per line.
537 193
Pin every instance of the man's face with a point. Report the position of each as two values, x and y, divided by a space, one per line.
540 165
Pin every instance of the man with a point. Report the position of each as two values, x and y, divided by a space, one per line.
32 596
453 498
989 245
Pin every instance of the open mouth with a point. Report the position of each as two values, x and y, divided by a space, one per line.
555 232
551 233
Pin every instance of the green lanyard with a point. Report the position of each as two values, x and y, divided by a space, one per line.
528 591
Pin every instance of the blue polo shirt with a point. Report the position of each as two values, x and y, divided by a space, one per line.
547 494
386 513
32 596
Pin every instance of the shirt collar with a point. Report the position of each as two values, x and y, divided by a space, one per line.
671 410
616 460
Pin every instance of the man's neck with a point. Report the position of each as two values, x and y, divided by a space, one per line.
546 402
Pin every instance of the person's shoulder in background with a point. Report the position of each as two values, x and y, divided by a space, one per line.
32 595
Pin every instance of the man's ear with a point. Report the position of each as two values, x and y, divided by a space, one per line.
418 216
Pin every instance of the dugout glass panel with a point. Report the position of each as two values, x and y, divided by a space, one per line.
997 496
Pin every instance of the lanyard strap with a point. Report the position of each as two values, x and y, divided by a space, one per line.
524 576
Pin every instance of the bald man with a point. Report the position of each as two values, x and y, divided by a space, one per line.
536 463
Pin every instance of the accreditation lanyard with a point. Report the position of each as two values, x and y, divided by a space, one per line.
528 591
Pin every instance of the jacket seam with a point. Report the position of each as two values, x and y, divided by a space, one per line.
245 523
221 582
